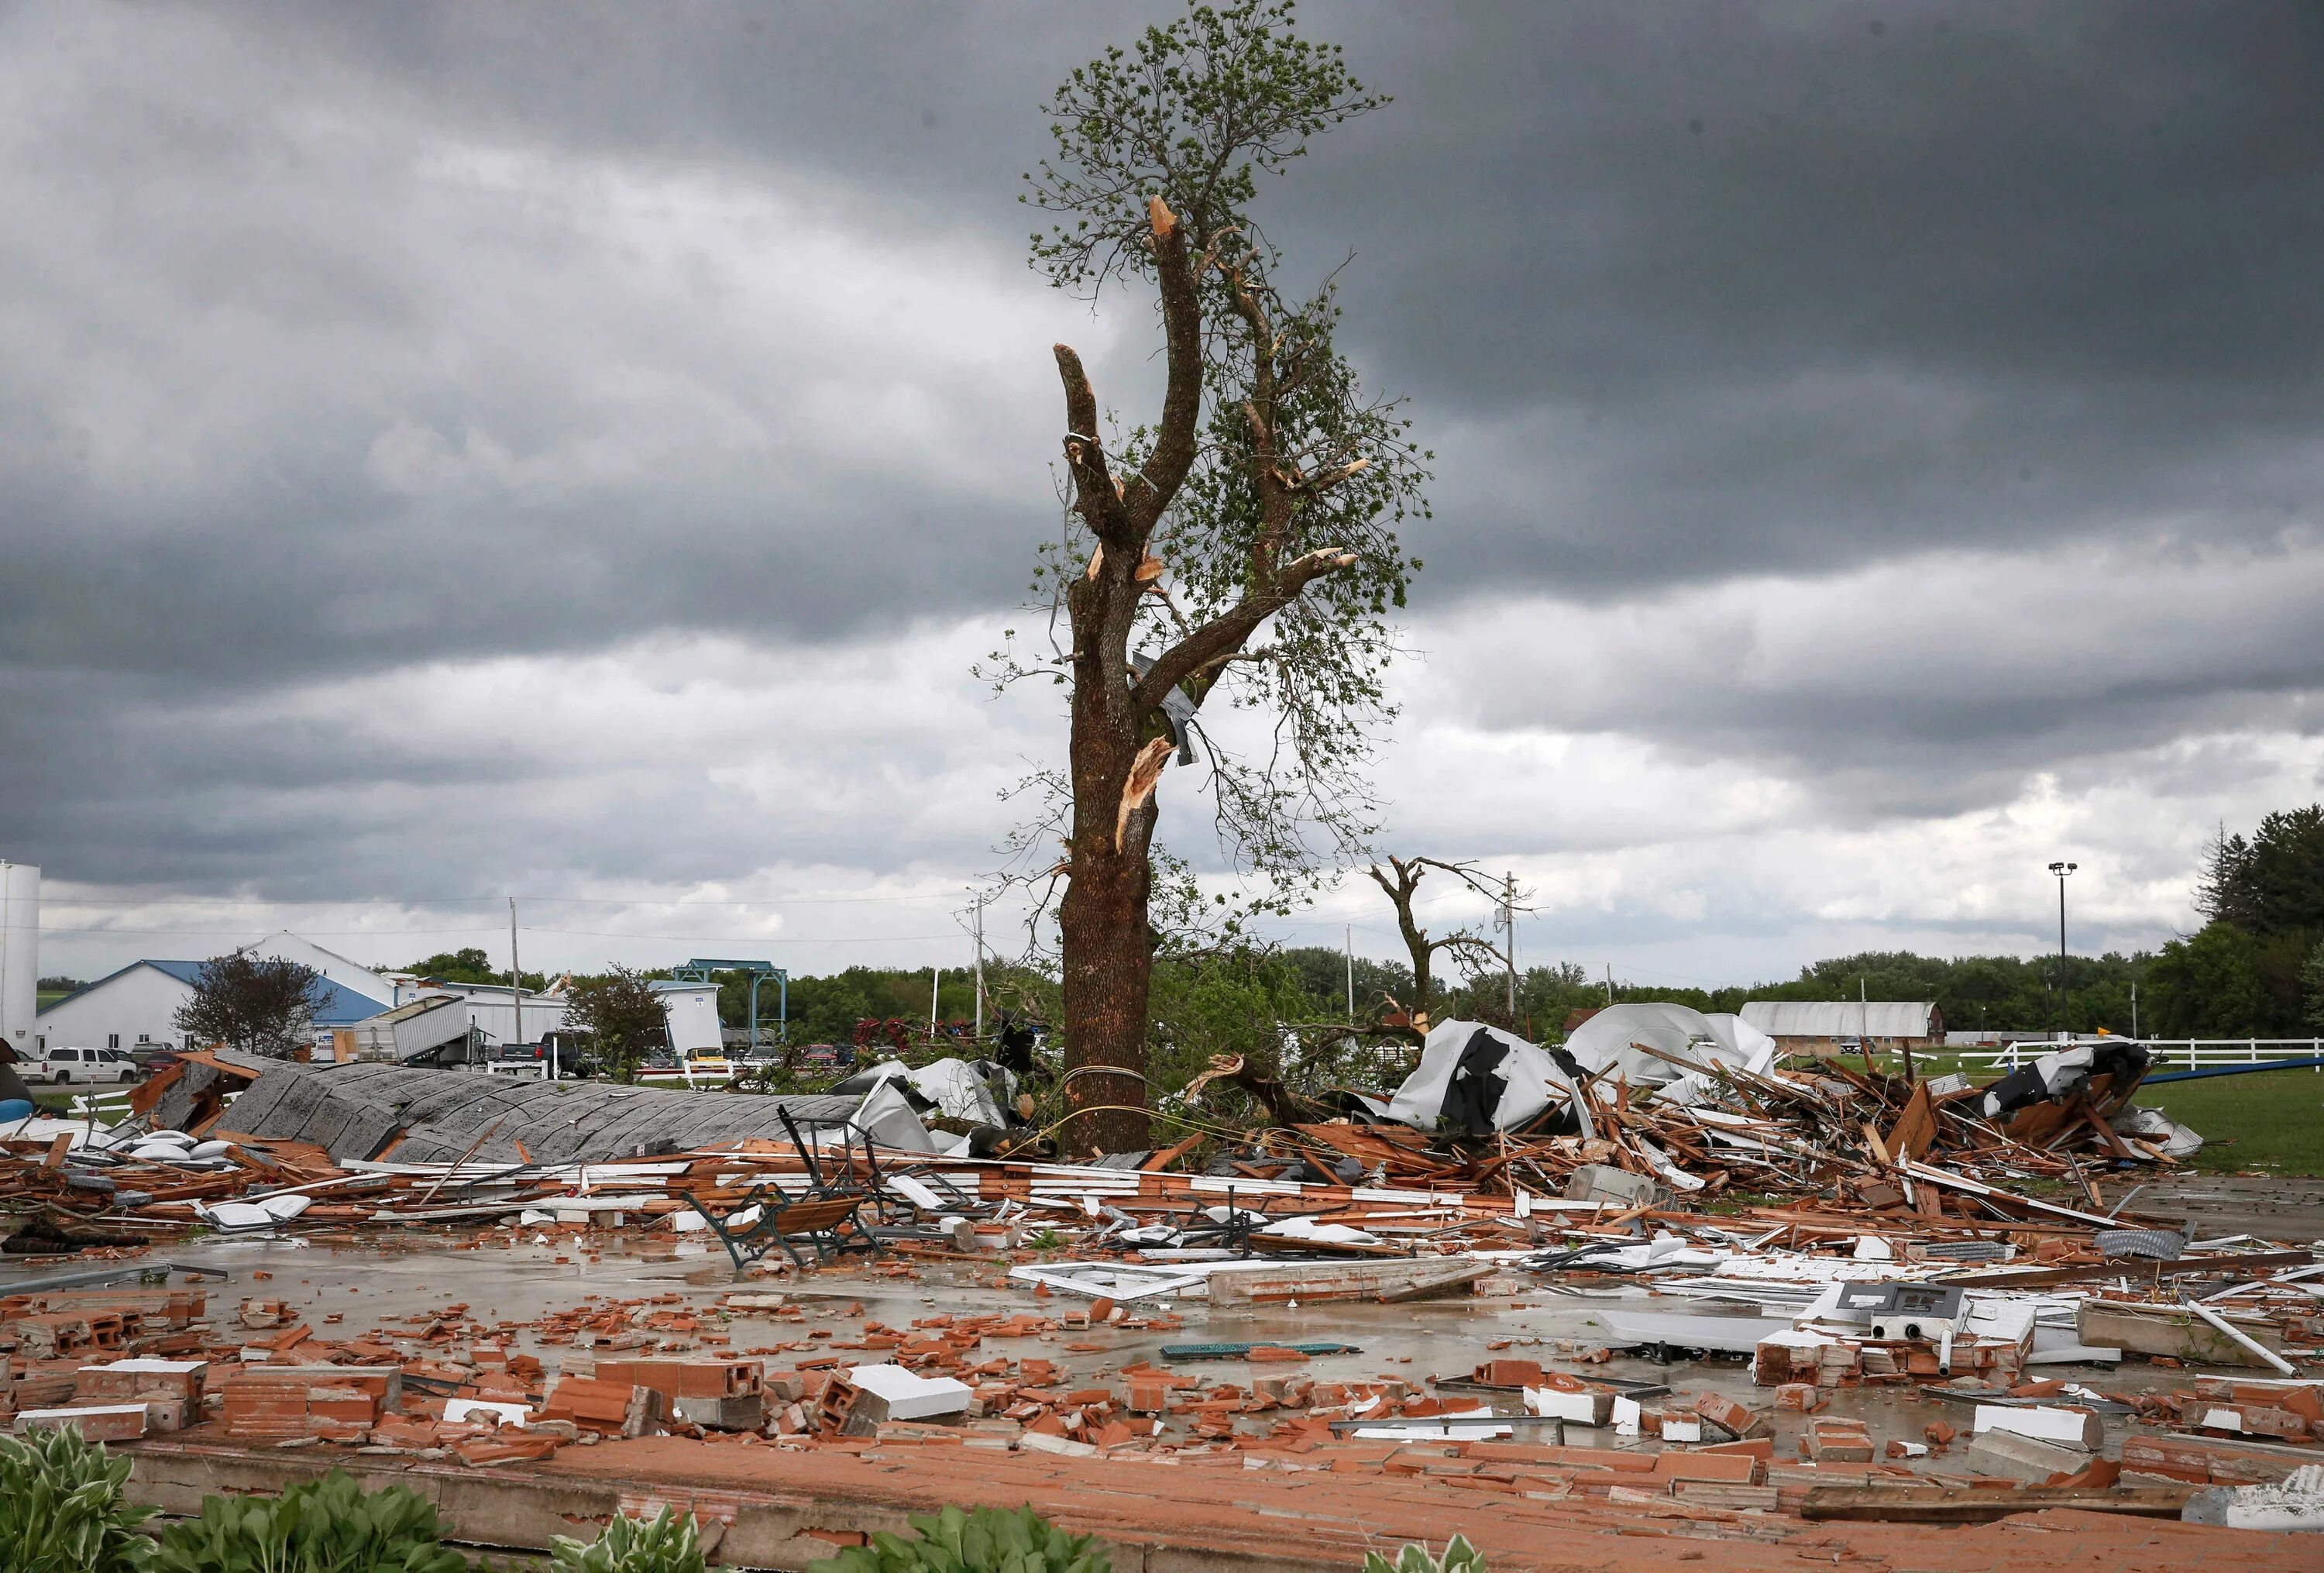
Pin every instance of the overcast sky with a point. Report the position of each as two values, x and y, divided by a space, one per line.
448 451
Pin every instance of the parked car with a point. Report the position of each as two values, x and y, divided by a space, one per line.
152 1057
83 1067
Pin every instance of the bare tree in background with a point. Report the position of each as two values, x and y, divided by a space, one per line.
257 1005
1401 880
1241 552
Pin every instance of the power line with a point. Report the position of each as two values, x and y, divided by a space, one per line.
408 904
529 928
755 938
327 933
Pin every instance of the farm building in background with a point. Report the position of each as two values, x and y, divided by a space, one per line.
1837 1026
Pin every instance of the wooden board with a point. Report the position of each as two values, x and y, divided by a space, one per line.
1915 1128
1940 1505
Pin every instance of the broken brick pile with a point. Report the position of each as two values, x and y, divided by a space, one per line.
447 1384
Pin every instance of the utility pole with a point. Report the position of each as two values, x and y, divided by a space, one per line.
936 977
516 981
1349 938
1509 928
980 967
1610 983
2062 870
2134 1009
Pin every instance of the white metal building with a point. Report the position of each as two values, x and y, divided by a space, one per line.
19 955
135 1004
693 1012
131 1006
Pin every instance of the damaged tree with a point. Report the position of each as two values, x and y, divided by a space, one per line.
1463 944
1263 502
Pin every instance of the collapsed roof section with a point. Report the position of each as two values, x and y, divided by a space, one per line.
1476 1079
1649 1044
365 1110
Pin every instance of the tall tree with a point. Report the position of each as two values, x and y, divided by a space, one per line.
1243 544
258 1004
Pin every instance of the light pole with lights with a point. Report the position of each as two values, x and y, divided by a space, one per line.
2062 870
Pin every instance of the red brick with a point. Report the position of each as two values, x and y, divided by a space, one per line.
1736 1468
1510 1373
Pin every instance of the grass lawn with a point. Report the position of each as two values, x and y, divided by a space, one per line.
2269 1120
2273 1120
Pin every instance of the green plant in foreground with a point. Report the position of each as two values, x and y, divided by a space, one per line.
1460 1556
62 1509
318 1526
988 1539
664 1544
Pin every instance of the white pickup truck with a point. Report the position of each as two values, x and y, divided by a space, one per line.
82 1066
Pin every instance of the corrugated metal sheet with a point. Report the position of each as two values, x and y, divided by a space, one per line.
1841 1017
361 1109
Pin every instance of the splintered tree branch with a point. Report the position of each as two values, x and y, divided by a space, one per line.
1137 790
1095 496
1151 490
1223 636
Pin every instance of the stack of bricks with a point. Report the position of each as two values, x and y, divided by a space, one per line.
55 1334
1832 1439
279 1403
115 1422
2154 1461
2283 1412
719 1395
170 1390
1847 1363
606 1408
1735 1422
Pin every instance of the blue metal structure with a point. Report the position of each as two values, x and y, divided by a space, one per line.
2309 1062
699 969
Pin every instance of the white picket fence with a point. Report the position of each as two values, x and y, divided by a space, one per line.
2172 1053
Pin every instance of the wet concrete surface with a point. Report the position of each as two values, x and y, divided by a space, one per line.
512 1285
2273 1208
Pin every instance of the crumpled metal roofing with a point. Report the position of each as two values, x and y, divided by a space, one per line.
368 1109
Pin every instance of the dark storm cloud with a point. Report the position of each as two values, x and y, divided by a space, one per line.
1681 289
1712 289
342 338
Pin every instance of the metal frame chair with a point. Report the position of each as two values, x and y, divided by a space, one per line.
832 1206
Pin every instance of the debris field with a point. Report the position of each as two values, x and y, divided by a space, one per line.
1795 1309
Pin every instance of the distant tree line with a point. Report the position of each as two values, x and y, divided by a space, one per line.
2259 956
2254 968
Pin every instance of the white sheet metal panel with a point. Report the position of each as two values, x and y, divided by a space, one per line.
1841 1017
